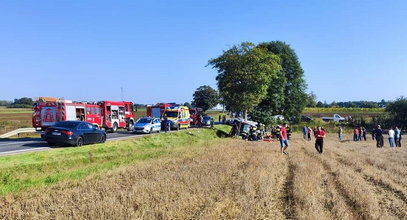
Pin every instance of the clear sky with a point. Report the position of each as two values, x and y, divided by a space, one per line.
157 51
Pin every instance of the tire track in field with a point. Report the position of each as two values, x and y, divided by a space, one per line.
353 205
387 191
376 182
289 200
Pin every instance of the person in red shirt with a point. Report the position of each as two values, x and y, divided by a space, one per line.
283 139
319 142
356 134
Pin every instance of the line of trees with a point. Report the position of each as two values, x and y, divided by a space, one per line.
23 102
312 102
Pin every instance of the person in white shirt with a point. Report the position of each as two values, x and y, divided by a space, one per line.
391 137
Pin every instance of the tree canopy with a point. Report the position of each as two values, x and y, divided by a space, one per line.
245 74
286 94
205 97
398 111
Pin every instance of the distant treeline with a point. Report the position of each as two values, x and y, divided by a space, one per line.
18 103
352 104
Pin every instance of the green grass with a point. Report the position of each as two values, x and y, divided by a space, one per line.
40 169
4 110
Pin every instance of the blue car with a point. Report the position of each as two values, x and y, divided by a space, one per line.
147 125
75 133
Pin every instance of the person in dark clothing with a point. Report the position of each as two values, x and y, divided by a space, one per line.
373 133
363 133
319 141
167 124
233 132
379 137
289 131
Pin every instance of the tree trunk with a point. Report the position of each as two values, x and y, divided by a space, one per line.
245 114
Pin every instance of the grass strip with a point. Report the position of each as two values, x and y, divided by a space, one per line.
40 169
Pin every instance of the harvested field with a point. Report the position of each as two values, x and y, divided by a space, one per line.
11 121
234 179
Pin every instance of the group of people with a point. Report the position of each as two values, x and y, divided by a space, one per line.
319 134
307 132
283 133
359 134
394 137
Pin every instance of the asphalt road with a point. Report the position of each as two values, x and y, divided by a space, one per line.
16 146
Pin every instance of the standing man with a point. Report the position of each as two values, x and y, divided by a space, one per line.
391 137
373 133
304 132
319 142
340 133
200 119
283 139
167 124
397 136
364 133
309 133
379 137
355 134
288 129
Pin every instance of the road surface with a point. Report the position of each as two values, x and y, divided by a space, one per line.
16 146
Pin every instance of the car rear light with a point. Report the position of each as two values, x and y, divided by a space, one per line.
48 130
69 133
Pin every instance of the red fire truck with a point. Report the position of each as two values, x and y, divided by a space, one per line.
157 110
117 115
107 114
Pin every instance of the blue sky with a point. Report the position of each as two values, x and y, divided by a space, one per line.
157 51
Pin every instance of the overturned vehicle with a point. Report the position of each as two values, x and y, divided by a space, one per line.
248 130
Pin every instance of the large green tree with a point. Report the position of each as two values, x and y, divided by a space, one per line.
398 111
245 74
205 97
286 95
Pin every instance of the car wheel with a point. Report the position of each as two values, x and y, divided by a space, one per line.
178 127
79 142
50 144
114 129
151 131
131 126
103 139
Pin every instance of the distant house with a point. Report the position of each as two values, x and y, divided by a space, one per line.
218 107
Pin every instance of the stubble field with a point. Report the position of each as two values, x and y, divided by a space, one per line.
234 179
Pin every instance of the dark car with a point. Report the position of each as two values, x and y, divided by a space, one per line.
306 118
75 133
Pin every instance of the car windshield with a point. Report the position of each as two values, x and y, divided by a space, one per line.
144 120
207 118
67 124
171 114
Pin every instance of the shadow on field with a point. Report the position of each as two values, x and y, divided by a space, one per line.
222 134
